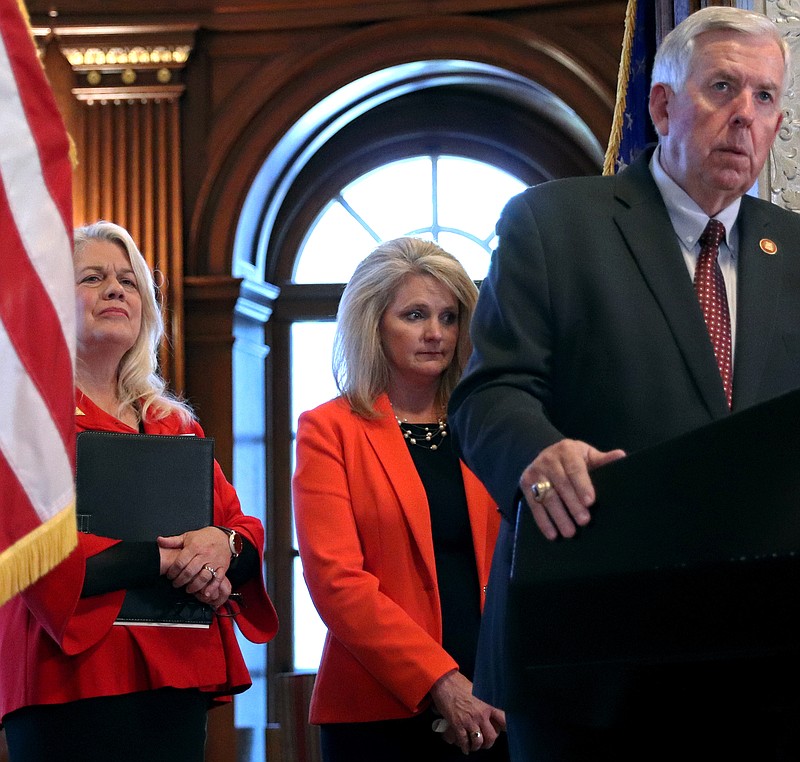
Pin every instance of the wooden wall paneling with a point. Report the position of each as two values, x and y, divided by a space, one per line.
105 163
62 78
237 15
209 307
172 224
221 741
264 107
120 168
80 186
299 740
162 200
148 189
91 165
130 173
161 167
129 81
81 189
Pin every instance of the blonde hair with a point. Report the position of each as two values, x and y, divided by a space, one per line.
359 363
138 381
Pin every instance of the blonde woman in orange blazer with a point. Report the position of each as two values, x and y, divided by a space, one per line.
395 533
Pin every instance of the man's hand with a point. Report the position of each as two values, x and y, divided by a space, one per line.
563 490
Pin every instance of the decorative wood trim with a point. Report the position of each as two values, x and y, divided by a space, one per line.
267 105
128 94
209 307
129 167
270 15
779 180
123 63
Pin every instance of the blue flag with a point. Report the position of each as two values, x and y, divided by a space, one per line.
632 128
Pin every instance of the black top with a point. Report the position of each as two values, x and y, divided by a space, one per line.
459 590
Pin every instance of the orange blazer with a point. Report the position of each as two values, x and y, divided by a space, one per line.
364 533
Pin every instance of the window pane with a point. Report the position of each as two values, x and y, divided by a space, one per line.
472 195
398 199
309 630
333 248
312 377
311 384
471 254
394 198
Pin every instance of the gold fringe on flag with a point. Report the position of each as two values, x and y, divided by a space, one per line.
615 138
37 553
24 11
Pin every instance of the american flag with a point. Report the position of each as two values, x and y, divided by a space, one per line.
632 128
37 316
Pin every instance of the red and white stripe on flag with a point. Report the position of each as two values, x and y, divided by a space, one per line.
37 316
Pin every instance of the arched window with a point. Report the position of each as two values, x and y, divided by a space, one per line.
452 200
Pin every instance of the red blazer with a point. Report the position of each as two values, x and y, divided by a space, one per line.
56 646
364 531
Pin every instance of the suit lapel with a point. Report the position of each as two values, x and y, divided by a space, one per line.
393 457
642 218
759 282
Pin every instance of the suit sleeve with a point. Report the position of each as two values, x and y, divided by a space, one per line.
388 643
498 412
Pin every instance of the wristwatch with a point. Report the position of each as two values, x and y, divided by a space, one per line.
234 541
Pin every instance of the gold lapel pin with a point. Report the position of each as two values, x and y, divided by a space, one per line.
768 246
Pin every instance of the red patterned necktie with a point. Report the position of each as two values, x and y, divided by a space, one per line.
710 288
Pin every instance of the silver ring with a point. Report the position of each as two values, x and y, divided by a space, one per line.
476 734
541 490
209 569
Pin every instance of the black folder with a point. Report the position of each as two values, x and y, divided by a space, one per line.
692 553
136 487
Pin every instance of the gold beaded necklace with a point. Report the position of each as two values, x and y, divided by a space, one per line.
422 434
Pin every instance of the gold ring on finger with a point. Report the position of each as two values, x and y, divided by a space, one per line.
541 490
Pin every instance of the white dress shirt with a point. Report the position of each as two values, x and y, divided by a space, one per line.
689 221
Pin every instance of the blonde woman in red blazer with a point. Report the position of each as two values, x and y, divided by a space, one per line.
395 534
73 685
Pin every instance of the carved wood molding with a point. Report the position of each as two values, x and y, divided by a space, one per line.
117 62
119 89
238 15
782 178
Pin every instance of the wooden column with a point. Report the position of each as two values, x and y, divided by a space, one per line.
125 123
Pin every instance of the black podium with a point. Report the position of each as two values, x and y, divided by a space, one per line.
692 554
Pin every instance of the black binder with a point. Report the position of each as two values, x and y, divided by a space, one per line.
693 553
139 486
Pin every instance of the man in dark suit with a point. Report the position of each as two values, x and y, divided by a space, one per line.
590 342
